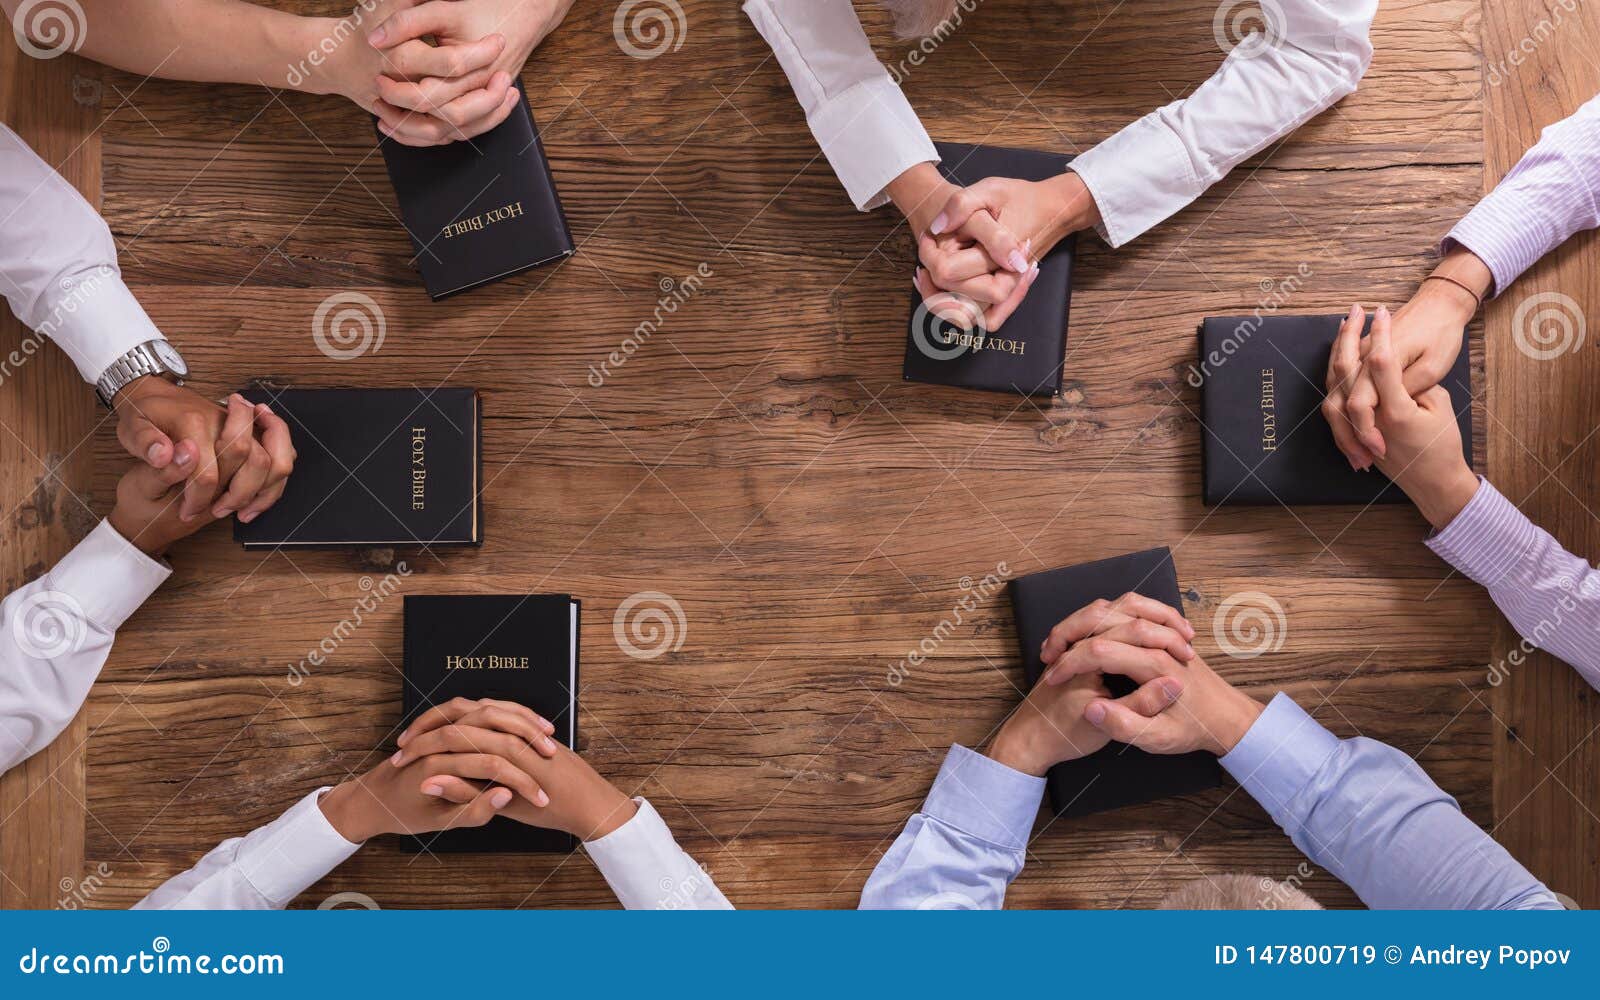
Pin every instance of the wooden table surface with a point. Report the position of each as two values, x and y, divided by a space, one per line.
760 460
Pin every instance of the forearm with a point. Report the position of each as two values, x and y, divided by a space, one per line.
263 871
1159 164
645 867
211 41
1368 814
1550 596
966 845
1551 193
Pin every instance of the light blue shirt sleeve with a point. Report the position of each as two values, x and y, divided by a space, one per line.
1369 815
965 846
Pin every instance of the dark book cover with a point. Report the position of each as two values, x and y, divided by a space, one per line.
1117 775
480 209
521 648
375 467
1262 383
1026 353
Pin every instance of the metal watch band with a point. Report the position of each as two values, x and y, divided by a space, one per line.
137 362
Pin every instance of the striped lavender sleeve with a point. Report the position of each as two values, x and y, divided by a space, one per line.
1550 596
1552 192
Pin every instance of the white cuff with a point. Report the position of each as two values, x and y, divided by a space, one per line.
1138 177
647 869
96 320
282 859
107 576
870 136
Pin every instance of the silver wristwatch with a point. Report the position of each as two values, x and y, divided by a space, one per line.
153 357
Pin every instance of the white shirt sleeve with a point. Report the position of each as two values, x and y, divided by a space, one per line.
56 632
859 116
647 869
263 871
58 266
1266 88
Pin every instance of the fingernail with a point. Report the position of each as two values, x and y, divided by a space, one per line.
499 797
184 458
550 744
377 37
1018 262
1189 629
247 516
1383 311
1033 272
1095 713
939 222
399 755
1188 651
432 790
151 455
1351 315
221 512
541 800
1170 688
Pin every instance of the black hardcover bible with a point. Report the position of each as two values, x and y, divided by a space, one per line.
1026 353
375 467
507 647
1262 383
1117 775
480 209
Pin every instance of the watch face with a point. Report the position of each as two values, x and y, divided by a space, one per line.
169 356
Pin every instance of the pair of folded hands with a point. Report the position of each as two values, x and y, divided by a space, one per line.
462 763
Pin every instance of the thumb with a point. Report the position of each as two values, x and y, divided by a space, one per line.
1154 697
144 440
1123 724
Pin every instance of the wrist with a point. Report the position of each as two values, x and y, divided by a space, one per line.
1442 501
1073 208
305 66
139 536
1012 747
1237 713
341 806
920 193
1463 266
609 810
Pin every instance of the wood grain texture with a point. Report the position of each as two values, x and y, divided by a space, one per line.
47 421
761 460
1539 67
